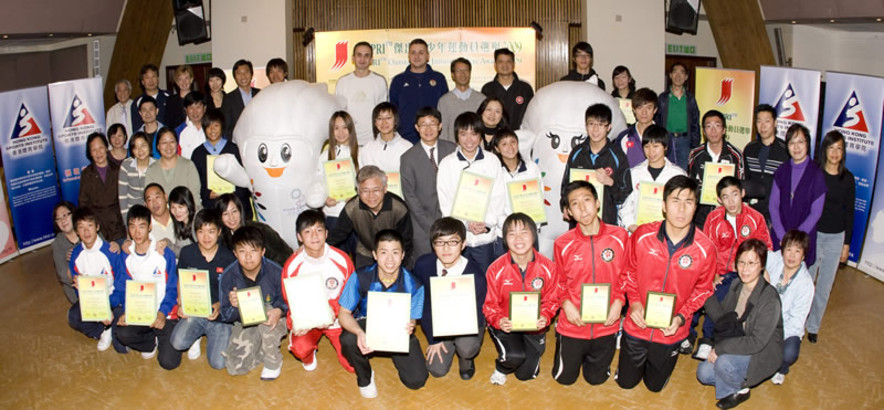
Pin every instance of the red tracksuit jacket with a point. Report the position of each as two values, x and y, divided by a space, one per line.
687 273
504 276
584 259
750 224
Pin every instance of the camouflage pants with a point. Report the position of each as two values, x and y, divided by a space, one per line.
254 345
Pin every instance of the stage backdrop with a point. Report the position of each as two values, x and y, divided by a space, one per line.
334 49
77 111
733 93
28 165
795 94
853 107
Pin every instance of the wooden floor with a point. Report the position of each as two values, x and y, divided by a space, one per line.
45 364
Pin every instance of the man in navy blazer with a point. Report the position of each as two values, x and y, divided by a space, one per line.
236 100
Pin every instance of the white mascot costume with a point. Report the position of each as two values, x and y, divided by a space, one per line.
280 135
553 125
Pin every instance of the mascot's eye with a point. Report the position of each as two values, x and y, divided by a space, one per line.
262 153
554 140
575 141
286 153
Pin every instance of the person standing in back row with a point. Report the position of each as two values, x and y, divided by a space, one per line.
506 85
678 112
417 87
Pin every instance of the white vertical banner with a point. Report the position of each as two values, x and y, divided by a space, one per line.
795 95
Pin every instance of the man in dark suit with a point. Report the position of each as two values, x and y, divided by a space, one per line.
418 176
236 100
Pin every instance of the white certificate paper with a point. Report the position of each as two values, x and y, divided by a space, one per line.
387 317
308 302
453 303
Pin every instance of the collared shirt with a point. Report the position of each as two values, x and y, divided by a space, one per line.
159 231
462 95
677 116
217 148
456 270
435 148
246 96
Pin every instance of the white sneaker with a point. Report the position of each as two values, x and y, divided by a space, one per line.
149 355
194 352
104 342
370 391
498 378
312 366
268 374
778 378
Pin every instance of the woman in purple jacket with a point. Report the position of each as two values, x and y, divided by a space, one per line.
798 193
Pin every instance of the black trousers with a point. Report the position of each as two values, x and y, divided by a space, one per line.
644 360
518 352
411 366
594 356
145 338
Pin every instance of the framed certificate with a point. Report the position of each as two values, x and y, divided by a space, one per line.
650 203
308 301
588 175
387 316
659 308
712 173
251 306
595 302
94 298
453 304
626 108
193 289
141 303
526 196
214 181
472 196
394 183
524 310
340 178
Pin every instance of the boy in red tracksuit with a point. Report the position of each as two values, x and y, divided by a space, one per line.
671 256
521 269
591 253
728 226
334 266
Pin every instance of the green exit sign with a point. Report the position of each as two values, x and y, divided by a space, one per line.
681 49
198 58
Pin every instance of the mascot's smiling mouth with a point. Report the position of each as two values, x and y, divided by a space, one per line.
274 172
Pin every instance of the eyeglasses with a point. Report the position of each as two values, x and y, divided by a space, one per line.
62 217
750 264
451 244
368 191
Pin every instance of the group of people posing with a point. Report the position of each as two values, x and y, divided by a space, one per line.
149 209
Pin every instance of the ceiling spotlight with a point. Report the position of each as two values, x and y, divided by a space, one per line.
832 21
51 35
878 19
793 21
89 35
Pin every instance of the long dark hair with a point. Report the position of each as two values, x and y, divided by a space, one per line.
221 205
504 119
63 204
831 138
182 196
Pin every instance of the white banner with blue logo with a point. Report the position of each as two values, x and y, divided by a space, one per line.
77 110
28 165
795 95
853 107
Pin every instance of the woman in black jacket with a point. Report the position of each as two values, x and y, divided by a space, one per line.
751 350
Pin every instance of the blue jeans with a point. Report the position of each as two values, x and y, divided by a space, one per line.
94 329
727 374
828 255
791 348
189 331
680 149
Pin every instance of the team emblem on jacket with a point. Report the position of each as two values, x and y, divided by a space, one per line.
520 100
537 283
744 231
607 254
432 83
685 261
331 283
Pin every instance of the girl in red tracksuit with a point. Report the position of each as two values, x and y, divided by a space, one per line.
591 253
521 269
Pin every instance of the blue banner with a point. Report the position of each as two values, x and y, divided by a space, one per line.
795 95
28 164
77 110
872 261
853 107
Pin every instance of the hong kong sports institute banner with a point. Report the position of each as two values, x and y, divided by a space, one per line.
28 165
334 50
733 93
795 95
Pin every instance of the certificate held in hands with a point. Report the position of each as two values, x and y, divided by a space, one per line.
141 303
453 302
527 197
472 196
524 310
215 183
193 288
341 178
308 302
588 175
712 173
94 300
251 306
650 203
659 308
595 302
387 316
394 183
